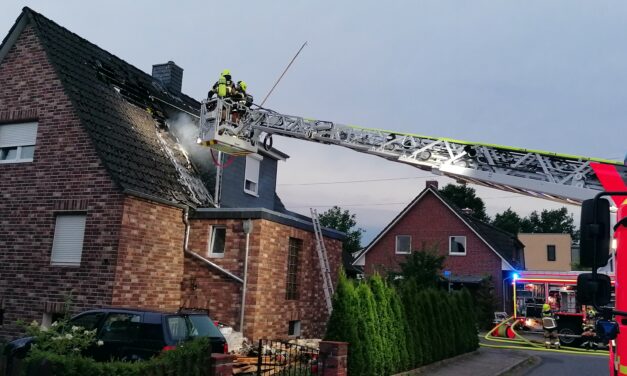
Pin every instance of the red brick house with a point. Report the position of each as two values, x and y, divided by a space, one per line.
102 199
473 249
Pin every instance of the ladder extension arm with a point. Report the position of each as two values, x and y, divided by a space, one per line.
558 177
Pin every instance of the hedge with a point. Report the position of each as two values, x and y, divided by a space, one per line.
192 359
393 330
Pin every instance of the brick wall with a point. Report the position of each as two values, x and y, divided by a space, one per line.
431 223
268 312
204 286
149 270
66 175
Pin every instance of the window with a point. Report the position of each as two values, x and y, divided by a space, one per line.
294 328
251 178
217 241
457 245
295 247
550 253
403 244
88 321
17 142
67 245
120 327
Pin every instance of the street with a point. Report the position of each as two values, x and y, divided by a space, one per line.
564 364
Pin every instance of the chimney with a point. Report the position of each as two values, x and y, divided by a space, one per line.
432 183
170 75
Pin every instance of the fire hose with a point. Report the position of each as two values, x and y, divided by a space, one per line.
519 342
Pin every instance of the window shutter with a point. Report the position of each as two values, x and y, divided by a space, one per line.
67 246
252 173
18 134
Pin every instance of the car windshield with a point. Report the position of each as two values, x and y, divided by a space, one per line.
185 327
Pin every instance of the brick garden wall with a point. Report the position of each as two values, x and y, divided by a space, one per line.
431 223
66 175
268 312
149 270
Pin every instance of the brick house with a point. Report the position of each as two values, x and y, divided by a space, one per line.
104 198
473 249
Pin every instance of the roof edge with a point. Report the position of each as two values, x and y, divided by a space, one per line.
15 31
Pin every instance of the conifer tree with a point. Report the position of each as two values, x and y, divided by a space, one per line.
385 328
343 326
370 341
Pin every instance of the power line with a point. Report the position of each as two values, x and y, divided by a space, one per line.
357 181
384 203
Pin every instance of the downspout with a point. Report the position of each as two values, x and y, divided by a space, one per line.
248 228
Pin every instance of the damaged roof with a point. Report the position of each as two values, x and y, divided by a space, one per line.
116 104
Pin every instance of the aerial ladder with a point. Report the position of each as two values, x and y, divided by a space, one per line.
237 130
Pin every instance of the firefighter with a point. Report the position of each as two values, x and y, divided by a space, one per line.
242 101
589 334
224 87
550 327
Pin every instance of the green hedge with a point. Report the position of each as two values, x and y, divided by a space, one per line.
391 331
192 358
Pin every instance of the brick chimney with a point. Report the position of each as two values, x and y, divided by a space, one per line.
433 184
170 75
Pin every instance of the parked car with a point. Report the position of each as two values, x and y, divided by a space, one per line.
131 334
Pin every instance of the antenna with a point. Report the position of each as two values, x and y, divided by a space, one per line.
283 74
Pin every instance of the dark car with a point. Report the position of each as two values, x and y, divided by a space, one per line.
129 334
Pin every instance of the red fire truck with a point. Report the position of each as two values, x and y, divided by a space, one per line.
559 290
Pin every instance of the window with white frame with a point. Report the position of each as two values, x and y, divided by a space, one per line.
67 246
457 245
17 142
403 244
251 177
217 239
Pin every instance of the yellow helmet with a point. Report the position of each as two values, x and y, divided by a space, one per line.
243 85
546 307
226 72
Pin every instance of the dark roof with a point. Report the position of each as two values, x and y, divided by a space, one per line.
116 104
503 243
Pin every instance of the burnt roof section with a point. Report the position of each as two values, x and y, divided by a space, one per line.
115 103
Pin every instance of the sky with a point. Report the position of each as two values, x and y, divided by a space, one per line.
546 75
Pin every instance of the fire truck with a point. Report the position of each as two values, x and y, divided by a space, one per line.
559 290
599 185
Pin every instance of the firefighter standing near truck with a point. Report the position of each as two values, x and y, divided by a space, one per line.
550 327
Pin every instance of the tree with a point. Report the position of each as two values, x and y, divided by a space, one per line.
463 197
343 220
549 221
508 221
422 268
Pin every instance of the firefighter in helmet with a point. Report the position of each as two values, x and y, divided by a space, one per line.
588 334
550 327
224 87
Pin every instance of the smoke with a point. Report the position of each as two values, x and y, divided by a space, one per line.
184 128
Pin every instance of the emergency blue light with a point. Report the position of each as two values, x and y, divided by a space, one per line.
515 276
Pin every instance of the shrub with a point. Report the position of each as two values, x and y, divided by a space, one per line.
191 358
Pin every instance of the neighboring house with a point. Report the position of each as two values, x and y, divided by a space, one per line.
473 249
547 252
106 199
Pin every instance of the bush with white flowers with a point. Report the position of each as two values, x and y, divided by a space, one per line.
61 338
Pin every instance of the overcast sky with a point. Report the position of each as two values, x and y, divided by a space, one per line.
547 75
